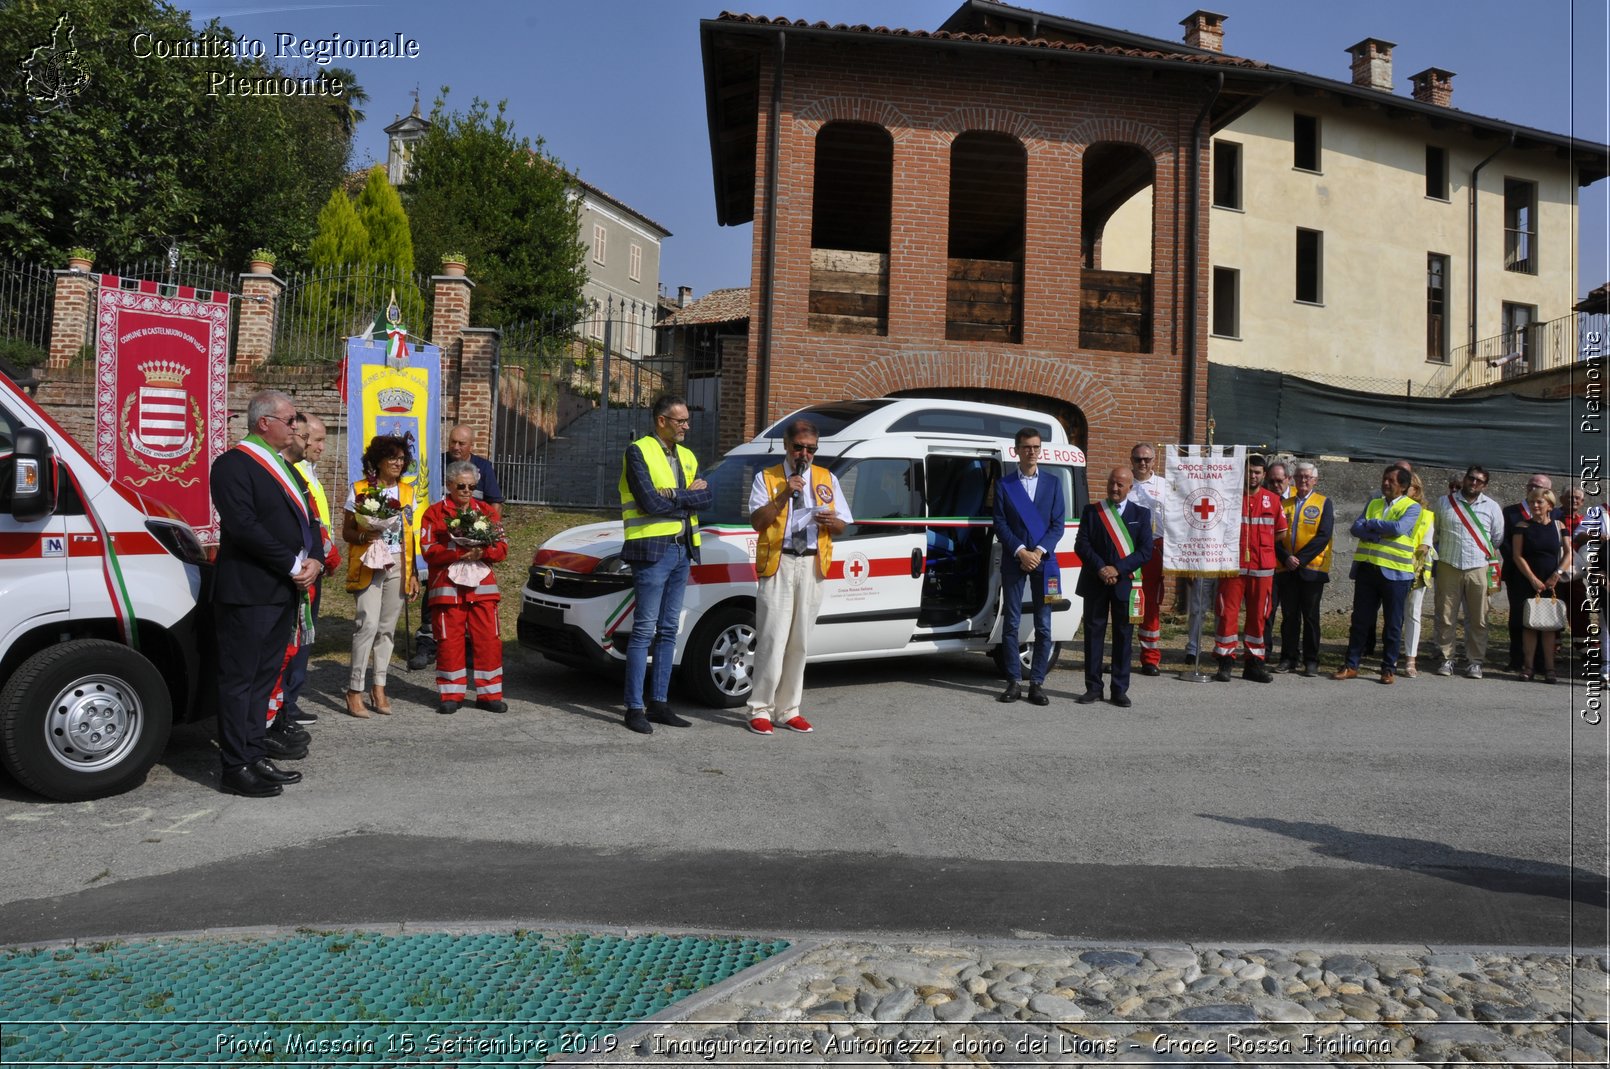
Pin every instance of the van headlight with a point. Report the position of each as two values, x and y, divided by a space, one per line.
178 539
613 566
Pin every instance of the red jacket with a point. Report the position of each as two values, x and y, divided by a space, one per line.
440 553
1262 521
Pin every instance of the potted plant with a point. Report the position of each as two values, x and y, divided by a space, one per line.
262 262
80 258
454 263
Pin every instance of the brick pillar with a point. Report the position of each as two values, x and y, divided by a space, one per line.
735 366
70 318
259 310
477 382
449 319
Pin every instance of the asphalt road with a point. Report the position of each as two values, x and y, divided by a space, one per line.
1435 811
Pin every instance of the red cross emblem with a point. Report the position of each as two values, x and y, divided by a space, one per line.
856 568
1204 509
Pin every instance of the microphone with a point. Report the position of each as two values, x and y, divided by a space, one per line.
799 495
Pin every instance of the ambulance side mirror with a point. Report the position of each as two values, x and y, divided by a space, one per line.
33 489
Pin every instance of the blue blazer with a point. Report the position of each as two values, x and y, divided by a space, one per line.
1096 549
1047 502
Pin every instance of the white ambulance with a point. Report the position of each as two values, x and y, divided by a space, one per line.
918 572
101 640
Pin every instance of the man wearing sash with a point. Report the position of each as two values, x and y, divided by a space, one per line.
1030 516
1467 567
262 574
1114 543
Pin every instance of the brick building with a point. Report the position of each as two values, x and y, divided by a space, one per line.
928 209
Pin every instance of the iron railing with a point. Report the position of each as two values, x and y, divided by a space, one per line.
27 299
173 271
569 398
320 310
1535 348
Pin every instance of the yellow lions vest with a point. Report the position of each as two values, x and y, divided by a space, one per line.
769 546
1300 530
640 524
1394 554
358 573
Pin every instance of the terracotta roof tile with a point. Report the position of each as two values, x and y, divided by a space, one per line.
717 306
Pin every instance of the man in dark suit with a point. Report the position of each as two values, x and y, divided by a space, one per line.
1030 516
264 566
1115 539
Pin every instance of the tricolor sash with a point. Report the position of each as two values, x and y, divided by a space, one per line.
1035 526
275 465
1112 518
1484 542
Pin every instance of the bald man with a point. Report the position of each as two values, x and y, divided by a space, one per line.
1114 543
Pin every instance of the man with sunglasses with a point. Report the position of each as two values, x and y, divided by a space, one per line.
796 507
661 495
1149 492
1467 523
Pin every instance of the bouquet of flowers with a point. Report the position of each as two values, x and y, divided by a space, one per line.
375 510
472 527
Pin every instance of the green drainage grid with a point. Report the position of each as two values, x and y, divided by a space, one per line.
353 998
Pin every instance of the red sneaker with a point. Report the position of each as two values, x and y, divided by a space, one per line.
760 726
799 724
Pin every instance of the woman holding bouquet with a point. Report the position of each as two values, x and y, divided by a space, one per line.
460 539
380 569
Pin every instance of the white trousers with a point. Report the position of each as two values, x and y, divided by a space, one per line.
785 612
379 605
1412 609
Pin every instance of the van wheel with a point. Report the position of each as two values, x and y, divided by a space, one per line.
719 661
1025 658
84 719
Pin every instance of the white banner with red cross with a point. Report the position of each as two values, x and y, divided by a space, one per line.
1202 515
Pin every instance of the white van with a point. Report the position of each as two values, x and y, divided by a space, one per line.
918 572
100 615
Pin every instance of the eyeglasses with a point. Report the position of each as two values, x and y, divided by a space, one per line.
1140 460
683 422
1477 479
799 446
463 486
289 421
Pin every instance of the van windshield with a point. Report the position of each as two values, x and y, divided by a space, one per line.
731 478
829 419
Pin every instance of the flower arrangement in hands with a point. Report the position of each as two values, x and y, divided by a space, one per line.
376 510
472 528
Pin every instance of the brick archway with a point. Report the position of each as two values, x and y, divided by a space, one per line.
1126 131
1055 381
975 118
853 109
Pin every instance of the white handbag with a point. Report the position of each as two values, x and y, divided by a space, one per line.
1544 614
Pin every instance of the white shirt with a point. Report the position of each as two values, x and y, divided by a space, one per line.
1030 483
1455 546
800 519
1150 494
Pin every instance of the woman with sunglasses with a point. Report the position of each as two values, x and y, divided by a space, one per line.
463 594
379 577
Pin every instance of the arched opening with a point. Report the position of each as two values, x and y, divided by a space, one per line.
1116 247
988 199
850 212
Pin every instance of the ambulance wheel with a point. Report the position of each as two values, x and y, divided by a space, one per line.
1025 658
84 719
719 661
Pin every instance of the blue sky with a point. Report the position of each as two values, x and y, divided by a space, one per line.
615 87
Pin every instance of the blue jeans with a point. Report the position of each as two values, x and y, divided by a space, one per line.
1011 612
1372 593
659 586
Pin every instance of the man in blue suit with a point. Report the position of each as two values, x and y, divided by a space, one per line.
1115 539
1030 515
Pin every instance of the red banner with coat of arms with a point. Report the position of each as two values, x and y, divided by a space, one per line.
162 392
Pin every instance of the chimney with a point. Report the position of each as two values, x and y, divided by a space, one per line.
1433 86
1372 64
1204 29
684 294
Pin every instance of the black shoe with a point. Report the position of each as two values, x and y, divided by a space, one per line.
289 733
449 708
1286 667
1311 669
638 722
283 750
271 772
1150 670
302 716
1255 671
492 707
1012 693
1037 696
1089 697
1223 674
1121 699
661 713
422 658
245 782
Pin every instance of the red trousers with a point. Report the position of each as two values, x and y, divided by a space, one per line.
452 621
276 699
1237 592
1151 591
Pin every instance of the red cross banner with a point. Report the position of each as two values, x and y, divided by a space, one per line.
162 392
1202 514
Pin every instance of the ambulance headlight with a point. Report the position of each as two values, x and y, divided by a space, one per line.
178 539
612 566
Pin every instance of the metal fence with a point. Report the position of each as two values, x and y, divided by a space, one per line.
1528 350
27 294
174 271
570 395
320 309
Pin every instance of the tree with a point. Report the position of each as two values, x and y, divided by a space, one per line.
477 188
342 238
391 247
105 147
335 300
